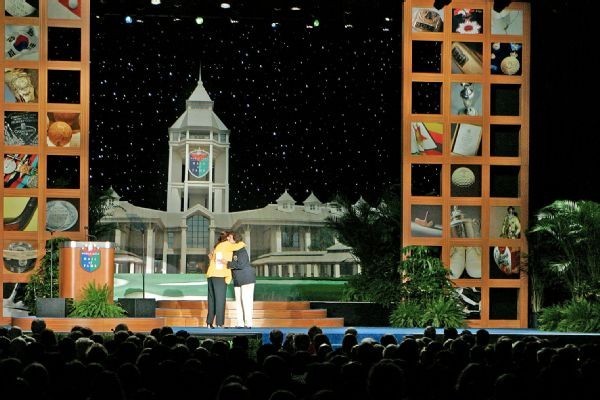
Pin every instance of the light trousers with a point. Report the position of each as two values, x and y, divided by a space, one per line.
244 304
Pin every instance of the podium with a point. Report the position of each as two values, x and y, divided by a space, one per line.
85 262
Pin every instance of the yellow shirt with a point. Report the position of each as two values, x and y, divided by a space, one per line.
222 253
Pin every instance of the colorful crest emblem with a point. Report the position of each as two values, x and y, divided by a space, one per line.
90 259
198 161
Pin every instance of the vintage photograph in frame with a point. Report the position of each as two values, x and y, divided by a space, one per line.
467 58
63 129
466 99
426 138
505 262
465 181
20 128
466 139
427 20
467 21
506 58
505 222
21 171
465 262
20 214
426 220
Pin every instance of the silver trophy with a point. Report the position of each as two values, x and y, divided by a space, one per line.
467 94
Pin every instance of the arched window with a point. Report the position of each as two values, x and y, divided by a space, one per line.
197 231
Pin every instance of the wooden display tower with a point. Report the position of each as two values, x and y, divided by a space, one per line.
45 68
465 149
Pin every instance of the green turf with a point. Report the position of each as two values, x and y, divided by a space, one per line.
193 286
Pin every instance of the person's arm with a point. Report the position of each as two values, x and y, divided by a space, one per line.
234 263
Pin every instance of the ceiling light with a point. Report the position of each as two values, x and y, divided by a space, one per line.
199 20
128 19
225 5
155 2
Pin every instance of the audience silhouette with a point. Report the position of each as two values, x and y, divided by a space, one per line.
122 365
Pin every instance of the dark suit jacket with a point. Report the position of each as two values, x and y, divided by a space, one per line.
241 269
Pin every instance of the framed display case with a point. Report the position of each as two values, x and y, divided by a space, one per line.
45 114
465 141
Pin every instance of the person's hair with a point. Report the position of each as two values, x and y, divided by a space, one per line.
37 325
237 236
276 337
313 330
222 238
351 331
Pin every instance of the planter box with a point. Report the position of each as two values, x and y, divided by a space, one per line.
51 307
355 313
138 308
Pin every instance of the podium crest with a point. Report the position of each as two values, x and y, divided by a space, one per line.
90 259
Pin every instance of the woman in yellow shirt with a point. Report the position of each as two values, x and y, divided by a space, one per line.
218 276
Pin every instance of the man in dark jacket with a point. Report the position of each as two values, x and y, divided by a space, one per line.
244 278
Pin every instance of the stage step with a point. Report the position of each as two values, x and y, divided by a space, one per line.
289 314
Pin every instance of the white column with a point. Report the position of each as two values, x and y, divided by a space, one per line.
291 270
247 237
163 267
149 262
336 270
316 271
266 270
183 257
276 240
280 270
308 270
118 236
307 240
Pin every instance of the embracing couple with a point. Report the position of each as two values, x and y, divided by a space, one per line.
229 261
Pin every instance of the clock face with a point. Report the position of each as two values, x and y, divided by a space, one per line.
10 165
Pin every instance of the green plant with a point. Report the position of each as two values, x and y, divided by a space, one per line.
444 311
374 234
43 282
95 303
102 203
570 233
428 295
408 314
573 316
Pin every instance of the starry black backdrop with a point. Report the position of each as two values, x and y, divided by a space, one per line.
311 110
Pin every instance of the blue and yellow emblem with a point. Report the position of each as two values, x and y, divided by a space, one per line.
90 259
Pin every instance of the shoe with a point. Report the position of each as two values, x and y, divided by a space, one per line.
473 260
210 326
457 262
247 327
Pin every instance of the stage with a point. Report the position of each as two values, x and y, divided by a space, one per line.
336 334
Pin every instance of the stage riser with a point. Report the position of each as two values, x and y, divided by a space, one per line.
296 314
230 305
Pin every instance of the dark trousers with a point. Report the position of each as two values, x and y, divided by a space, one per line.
217 291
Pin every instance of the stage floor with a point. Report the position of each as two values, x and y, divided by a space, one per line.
336 334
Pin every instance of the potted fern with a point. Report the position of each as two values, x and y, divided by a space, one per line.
96 303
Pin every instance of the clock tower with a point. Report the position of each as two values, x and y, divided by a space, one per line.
198 157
